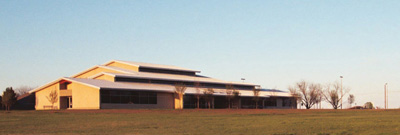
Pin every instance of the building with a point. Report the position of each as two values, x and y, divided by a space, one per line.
124 84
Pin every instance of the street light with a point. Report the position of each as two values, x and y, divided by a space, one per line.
386 99
242 79
341 92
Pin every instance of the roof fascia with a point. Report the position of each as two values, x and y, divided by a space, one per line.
45 86
123 62
85 71
109 62
97 66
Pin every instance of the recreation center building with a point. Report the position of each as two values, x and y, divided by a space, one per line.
128 85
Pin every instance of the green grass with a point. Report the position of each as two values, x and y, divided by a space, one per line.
319 122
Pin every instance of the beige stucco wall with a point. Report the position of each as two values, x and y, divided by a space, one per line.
164 101
41 97
85 97
124 66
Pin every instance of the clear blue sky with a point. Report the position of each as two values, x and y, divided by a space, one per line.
271 43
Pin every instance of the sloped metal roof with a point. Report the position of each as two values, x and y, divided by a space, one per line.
163 76
103 84
167 88
157 66
119 85
146 75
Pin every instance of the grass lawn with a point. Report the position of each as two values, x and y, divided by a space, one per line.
201 122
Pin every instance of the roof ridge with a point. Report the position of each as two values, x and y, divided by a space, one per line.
153 65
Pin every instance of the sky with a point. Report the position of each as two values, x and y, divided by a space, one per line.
271 43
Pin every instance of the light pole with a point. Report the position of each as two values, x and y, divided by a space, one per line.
386 93
242 79
341 92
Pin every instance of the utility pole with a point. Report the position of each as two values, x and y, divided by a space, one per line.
341 92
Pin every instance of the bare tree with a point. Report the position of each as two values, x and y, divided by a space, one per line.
296 95
53 98
256 93
21 90
320 99
229 94
180 89
308 94
208 96
197 94
332 95
351 99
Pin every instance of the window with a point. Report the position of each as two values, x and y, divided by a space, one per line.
158 70
128 97
287 102
125 97
152 98
143 98
270 102
105 96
